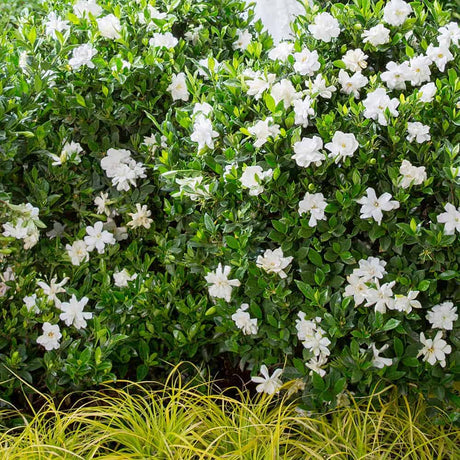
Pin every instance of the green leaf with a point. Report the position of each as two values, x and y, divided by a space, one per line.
315 257
391 324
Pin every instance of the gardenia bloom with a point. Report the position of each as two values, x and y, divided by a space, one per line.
316 363
50 337
427 92
244 321
102 202
78 252
405 303
396 75
308 151
257 82
7 275
420 72
87 6
203 133
370 268
194 183
57 231
380 296
202 108
449 34
342 145
434 349
418 131
268 384
282 51
306 62
166 40
53 289
262 130
303 110
140 218
221 287
355 60
55 23
122 277
307 328
193 35
376 103
356 288
411 175
109 26
440 55
97 238
319 87
243 40
274 262
252 177
443 316
325 27
451 219
378 361
377 35
178 87
31 303
395 12
70 152
73 314
285 91
352 84
373 207
317 344
315 204
154 13
82 55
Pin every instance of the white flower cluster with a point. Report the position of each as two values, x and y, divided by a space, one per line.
24 225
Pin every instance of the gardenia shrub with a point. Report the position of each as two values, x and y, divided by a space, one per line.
177 186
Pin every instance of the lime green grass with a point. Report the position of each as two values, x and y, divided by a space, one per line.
177 421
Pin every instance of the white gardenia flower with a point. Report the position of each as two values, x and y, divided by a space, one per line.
376 104
451 219
396 75
356 288
395 12
352 85
449 34
203 133
308 151
317 344
102 202
193 183
7 275
53 289
154 13
50 337
440 55
262 130
86 6
285 91
268 384
427 92
378 361
140 218
434 350
319 87
30 302
122 277
243 40
244 321
109 26
307 328
193 35
303 110
380 296
405 303
178 87
377 35
370 268
221 287
119 233
57 231
18 230
355 60
373 207
70 152
97 238
443 316
420 72
282 51
411 175
82 55
258 82
325 27
306 62
418 131
73 314
315 204
342 145
77 252
274 262
55 23
252 177
316 363
166 40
